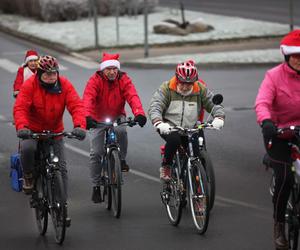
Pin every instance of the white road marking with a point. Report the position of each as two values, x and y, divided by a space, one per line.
219 199
88 64
9 65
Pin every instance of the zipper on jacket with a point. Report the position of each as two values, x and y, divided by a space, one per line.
182 113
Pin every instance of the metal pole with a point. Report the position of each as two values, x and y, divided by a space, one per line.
182 13
95 13
291 8
90 10
146 47
117 21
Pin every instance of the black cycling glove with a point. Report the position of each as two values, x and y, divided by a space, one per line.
24 133
79 133
141 120
90 122
269 129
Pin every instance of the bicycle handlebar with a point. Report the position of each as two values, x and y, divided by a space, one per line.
49 135
130 122
193 130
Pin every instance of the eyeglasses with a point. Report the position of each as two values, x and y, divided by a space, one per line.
297 56
186 83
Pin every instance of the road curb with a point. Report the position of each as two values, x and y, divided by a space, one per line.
39 41
225 65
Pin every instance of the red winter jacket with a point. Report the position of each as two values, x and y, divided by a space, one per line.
103 99
39 110
22 75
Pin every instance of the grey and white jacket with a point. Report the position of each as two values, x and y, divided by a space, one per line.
169 106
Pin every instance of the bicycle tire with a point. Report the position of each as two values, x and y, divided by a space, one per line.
58 210
41 206
106 186
115 178
293 220
199 196
293 232
209 169
173 198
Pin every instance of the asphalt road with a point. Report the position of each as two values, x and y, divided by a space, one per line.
268 10
241 218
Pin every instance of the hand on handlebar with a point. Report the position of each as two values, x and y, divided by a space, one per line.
24 133
79 133
217 123
141 120
269 129
163 127
90 122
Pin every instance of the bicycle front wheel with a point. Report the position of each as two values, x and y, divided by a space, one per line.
210 173
39 198
58 209
172 197
199 196
115 178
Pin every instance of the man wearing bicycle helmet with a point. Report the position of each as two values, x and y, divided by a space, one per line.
277 106
105 96
39 107
179 102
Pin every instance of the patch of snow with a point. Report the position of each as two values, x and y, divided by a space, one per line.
79 34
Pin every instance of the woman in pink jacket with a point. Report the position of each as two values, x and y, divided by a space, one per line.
277 106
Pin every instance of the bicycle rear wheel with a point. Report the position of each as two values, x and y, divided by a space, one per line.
293 220
39 198
115 178
199 196
58 208
210 173
172 197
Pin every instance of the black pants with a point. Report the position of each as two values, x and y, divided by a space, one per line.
173 141
280 154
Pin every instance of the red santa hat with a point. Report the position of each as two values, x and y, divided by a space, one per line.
290 44
31 55
109 60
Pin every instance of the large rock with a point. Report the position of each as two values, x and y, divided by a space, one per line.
61 10
173 27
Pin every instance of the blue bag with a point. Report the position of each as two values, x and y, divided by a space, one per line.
16 173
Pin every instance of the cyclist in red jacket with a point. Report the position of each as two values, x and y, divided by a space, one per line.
27 69
40 106
105 96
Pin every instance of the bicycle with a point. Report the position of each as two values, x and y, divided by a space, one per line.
48 195
188 178
292 215
111 174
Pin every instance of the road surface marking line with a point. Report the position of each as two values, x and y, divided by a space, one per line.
155 179
80 62
9 65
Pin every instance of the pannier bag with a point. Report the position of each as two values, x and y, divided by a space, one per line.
16 173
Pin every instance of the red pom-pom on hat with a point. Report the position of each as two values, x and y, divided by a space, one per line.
290 44
110 60
31 55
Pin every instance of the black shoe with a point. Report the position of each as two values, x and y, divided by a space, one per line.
124 166
96 196
68 222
